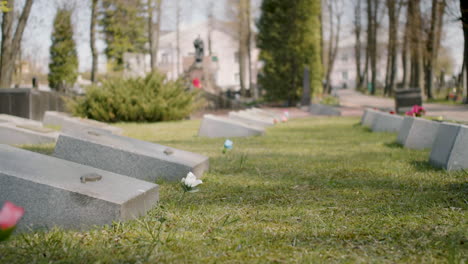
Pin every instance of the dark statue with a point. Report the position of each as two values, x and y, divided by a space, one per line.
199 50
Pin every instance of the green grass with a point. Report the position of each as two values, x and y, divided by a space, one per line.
311 190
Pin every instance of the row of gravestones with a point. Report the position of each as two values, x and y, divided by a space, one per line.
448 142
96 175
244 123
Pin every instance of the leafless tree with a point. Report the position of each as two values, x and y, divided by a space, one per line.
92 40
415 47
335 12
11 40
357 48
154 29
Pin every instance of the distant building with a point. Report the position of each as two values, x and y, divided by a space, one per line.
344 69
219 38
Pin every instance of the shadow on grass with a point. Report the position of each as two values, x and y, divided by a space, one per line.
394 145
424 166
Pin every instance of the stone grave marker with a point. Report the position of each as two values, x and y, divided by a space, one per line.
61 193
127 156
251 119
417 133
368 117
69 123
450 149
385 122
221 127
26 134
326 110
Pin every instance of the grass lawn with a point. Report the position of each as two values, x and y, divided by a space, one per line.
312 190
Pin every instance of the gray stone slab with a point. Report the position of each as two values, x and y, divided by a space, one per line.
25 134
69 123
417 133
127 156
326 110
53 194
18 120
221 127
265 113
251 119
450 149
385 122
368 118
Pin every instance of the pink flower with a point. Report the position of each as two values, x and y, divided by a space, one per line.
10 215
409 113
284 119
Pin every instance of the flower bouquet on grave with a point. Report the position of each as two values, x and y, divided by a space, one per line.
417 111
10 214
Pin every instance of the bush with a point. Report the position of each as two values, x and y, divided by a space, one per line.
150 99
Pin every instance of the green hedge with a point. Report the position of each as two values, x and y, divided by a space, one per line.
149 99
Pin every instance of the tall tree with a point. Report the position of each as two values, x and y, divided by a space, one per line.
464 20
63 66
289 40
334 16
357 47
432 45
11 40
124 26
393 7
154 30
372 26
92 40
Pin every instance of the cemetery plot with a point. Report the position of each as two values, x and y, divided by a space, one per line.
128 156
417 133
68 123
450 150
56 192
215 126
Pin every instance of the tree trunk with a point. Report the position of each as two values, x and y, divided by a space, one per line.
430 50
153 31
92 41
392 46
243 45
252 89
357 47
11 42
414 16
464 19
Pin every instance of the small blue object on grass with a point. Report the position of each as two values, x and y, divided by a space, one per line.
227 145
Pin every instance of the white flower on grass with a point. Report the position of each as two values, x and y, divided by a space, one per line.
190 182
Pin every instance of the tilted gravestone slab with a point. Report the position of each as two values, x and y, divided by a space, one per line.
128 156
417 133
326 110
267 119
215 127
26 134
56 192
450 149
19 120
265 113
69 123
251 119
385 122
368 119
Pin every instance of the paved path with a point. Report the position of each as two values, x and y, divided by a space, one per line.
354 100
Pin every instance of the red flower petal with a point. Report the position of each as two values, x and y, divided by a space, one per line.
10 215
